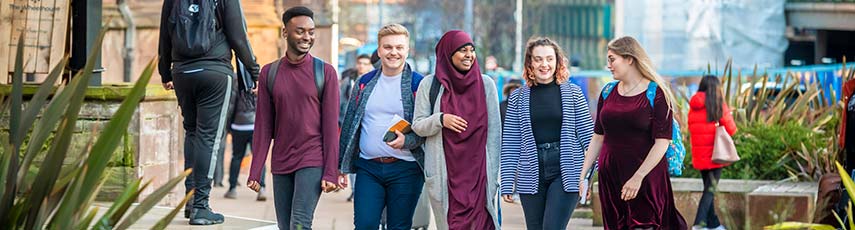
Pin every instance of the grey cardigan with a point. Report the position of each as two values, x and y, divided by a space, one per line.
427 124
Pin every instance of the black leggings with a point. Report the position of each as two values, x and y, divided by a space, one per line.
706 208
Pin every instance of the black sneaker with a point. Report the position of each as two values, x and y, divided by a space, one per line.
206 217
188 210
231 194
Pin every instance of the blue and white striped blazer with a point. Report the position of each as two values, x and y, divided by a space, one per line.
519 165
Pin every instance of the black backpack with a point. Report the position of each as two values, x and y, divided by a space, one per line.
195 27
434 92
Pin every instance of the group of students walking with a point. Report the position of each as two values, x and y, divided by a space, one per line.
459 148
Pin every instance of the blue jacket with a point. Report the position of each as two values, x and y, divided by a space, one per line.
352 124
519 165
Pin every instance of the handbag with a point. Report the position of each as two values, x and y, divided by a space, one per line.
724 151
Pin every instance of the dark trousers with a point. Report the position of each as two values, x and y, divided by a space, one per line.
551 207
205 98
706 208
218 170
296 196
394 186
240 140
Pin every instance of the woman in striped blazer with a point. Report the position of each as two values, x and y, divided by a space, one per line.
546 131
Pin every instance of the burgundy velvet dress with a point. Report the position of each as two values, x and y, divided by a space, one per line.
629 126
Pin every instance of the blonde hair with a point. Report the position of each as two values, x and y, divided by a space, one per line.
392 29
561 72
628 47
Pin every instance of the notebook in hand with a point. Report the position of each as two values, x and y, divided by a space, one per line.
396 124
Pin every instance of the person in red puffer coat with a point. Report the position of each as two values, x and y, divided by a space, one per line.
708 109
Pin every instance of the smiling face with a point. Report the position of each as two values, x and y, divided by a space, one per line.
544 62
393 52
299 33
464 58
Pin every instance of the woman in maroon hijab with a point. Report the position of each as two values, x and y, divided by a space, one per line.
461 121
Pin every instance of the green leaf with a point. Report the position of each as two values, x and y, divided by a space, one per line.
121 205
17 95
110 137
52 165
846 180
105 146
33 107
798 225
150 201
163 223
10 166
84 224
836 216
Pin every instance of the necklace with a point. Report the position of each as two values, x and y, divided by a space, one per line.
625 92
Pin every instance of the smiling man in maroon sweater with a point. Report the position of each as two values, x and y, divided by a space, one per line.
302 124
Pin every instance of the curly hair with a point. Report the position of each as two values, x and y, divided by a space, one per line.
561 71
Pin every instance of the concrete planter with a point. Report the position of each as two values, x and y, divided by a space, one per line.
740 204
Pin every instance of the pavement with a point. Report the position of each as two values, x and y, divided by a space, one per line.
333 211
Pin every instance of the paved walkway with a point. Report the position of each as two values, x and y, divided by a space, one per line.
333 211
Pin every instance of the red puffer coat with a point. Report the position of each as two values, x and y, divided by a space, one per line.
703 132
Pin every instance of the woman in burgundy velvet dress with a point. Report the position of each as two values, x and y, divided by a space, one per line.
630 140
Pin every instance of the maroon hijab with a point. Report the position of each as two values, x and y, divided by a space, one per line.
466 152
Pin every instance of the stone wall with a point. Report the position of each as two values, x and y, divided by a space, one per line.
151 149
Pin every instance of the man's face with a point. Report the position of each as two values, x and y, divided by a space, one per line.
300 34
393 51
363 66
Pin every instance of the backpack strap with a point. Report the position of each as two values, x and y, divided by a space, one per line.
434 92
651 92
319 77
272 71
608 88
271 75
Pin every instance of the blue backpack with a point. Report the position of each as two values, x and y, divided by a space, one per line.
676 151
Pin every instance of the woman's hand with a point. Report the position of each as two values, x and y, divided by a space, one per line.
508 198
583 187
630 188
454 123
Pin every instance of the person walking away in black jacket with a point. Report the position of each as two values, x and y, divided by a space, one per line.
195 55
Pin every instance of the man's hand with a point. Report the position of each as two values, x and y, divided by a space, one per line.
253 185
327 186
255 90
168 85
398 143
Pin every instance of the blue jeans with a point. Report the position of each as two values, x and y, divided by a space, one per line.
705 216
551 207
240 140
296 196
394 186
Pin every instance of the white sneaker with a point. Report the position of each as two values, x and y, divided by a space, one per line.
699 228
